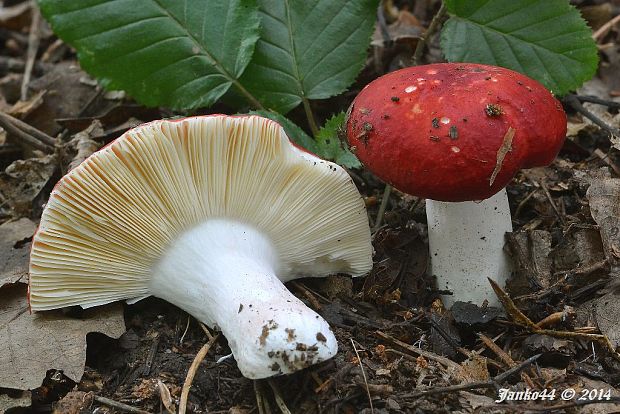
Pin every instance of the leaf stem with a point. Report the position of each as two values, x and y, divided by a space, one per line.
248 95
431 29
311 118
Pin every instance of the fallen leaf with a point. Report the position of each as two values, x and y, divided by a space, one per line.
604 198
473 401
530 251
31 344
75 402
584 384
606 315
21 109
20 399
84 144
66 96
15 239
474 369
405 29
23 180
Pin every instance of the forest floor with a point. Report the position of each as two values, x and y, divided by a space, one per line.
399 350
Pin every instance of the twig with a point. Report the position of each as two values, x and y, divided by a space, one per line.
573 101
599 101
119 406
33 47
192 372
506 359
189 318
8 120
449 340
372 409
206 331
261 403
278 396
151 357
605 158
521 319
551 202
426 354
605 28
385 34
492 383
384 201
166 398
316 305
10 127
9 64
431 29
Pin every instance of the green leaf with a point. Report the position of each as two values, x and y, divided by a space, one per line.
544 39
329 145
295 133
309 49
178 53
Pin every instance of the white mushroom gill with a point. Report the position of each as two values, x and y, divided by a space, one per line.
205 212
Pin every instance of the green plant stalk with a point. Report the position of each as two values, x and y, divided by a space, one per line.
432 28
311 119
253 101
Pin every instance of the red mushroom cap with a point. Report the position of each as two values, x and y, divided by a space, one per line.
454 131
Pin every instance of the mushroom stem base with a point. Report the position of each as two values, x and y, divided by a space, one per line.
466 241
224 273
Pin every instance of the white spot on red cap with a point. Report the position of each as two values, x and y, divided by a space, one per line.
432 72
445 120
455 149
410 89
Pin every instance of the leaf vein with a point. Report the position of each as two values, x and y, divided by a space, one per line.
123 26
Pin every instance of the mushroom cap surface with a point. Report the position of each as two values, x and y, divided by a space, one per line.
110 220
454 131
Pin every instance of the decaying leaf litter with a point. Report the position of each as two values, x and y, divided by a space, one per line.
399 350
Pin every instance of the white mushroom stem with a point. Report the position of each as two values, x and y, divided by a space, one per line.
466 242
224 273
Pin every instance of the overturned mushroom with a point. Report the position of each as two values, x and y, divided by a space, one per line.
212 214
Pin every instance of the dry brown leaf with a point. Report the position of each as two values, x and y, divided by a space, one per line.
84 144
584 384
474 369
14 250
66 96
23 399
31 344
604 198
21 109
606 315
405 29
75 402
23 180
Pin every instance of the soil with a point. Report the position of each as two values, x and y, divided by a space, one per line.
399 350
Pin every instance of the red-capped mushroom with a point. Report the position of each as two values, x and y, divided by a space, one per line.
455 133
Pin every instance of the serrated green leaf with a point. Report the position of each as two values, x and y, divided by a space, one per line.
178 53
544 39
310 49
329 145
295 133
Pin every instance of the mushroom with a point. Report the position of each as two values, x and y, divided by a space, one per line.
212 214
457 133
